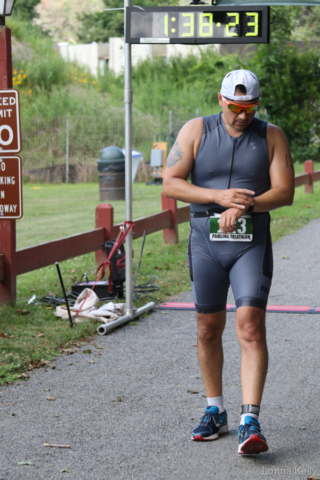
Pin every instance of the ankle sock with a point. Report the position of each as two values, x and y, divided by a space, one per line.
216 402
249 411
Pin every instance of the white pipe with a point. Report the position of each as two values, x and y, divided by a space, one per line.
105 328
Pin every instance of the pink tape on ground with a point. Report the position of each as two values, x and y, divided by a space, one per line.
270 308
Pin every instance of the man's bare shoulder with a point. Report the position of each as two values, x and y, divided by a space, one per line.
278 145
186 145
274 133
192 129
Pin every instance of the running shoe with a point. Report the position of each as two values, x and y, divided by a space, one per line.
251 440
211 425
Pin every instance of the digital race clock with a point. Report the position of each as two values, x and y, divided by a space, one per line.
197 24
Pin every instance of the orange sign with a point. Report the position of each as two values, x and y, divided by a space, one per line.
10 187
10 130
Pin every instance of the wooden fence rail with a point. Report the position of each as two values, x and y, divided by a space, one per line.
43 255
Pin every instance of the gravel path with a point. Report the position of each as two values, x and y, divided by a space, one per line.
152 368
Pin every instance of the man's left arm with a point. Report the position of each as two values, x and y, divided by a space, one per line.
281 173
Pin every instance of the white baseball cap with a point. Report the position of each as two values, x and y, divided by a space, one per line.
240 77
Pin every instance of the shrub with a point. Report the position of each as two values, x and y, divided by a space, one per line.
290 81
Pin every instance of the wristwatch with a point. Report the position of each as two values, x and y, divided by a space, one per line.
250 209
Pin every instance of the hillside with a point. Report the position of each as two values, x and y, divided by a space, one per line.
60 17
52 88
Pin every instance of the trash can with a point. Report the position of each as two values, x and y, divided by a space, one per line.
111 168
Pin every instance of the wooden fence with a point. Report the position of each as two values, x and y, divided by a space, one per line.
39 256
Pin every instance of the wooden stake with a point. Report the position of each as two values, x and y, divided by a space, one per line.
56 446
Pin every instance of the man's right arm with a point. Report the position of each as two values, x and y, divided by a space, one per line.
180 164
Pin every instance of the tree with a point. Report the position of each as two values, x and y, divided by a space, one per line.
25 9
98 27
290 79
58 18
308 24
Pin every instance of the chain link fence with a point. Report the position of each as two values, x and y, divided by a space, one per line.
66 148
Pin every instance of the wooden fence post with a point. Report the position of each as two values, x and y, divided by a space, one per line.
308 168
104 219
170 235
7 227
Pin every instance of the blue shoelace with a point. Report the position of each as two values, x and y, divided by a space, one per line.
249 428
212 418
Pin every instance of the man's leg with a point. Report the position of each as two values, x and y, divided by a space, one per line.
210 329
251 331
210 353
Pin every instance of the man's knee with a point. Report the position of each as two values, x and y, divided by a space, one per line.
251 325
210 326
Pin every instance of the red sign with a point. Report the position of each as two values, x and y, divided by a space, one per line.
10 187
10 130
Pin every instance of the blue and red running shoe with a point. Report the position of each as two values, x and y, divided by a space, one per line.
251 440
211 425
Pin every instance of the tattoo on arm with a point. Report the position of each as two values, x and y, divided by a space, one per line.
289 161
175 155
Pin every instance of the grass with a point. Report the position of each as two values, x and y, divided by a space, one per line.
305 208
56 211
30 336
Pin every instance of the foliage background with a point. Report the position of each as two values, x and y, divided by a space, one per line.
289 72
51 88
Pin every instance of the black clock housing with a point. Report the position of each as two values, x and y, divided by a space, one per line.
197 24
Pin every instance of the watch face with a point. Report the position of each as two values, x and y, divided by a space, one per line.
192 25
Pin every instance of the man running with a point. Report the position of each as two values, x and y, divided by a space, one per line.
241 168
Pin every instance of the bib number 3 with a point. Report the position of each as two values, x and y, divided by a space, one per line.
244 232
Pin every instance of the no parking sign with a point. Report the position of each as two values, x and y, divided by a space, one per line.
10 188
10 130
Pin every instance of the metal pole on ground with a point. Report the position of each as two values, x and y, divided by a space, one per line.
105 328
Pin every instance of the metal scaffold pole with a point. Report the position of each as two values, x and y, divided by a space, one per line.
130 314
128 163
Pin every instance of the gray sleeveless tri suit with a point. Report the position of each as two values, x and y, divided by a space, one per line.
226 162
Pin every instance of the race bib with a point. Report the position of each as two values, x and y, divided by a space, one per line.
244 232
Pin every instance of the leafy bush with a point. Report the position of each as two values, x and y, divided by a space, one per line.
181 85
34 53
100 26
290 80
25 9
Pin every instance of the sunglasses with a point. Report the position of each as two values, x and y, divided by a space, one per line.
236 108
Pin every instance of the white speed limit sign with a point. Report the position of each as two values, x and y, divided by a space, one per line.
10 130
